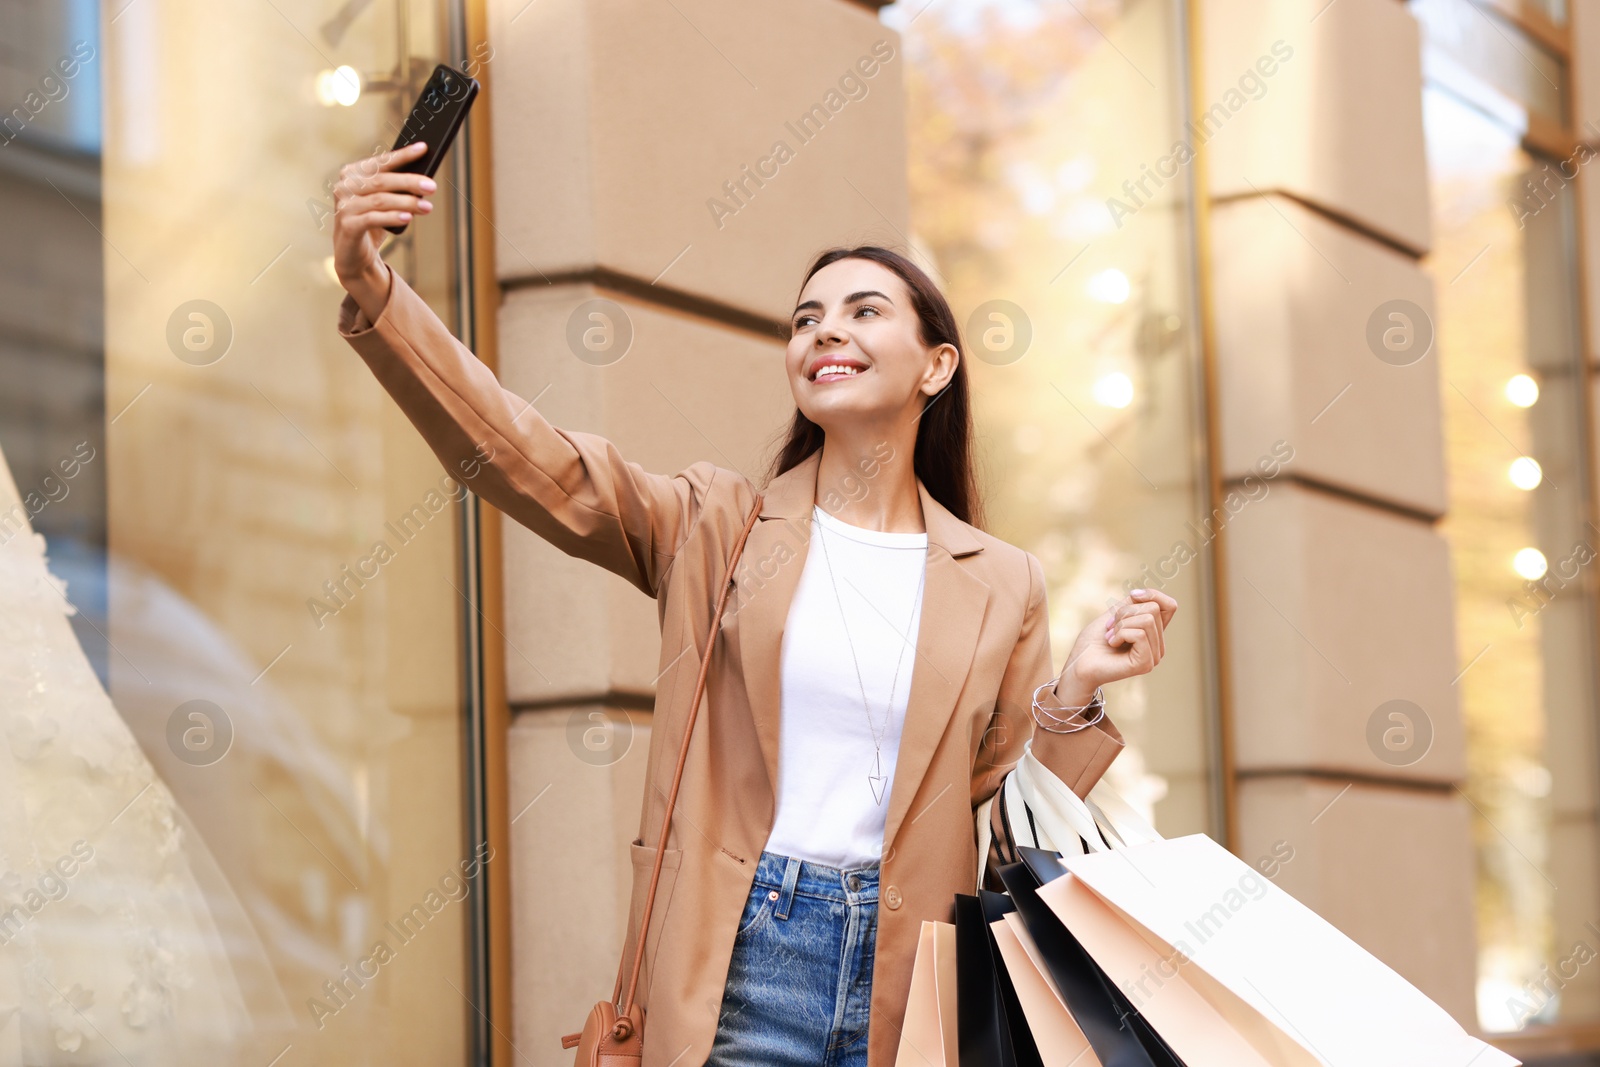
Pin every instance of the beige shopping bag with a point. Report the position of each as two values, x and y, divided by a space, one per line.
1299 991
928 1037
1155 984
1060 1041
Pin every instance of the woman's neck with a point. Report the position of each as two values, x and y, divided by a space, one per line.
868 481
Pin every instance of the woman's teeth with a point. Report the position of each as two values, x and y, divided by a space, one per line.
835 370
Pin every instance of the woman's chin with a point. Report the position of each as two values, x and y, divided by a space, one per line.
841 413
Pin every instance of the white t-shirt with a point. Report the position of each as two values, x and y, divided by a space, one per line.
833 786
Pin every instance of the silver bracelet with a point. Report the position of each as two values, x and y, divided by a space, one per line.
1096 707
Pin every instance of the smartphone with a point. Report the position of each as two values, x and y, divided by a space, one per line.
435 118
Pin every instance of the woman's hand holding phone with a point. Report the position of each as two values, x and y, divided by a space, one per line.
369 196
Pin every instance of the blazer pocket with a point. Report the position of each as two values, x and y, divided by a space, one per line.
644 858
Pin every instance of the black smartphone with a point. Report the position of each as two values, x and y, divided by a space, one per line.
435 118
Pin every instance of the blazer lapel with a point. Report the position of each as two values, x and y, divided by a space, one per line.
768 575
953 605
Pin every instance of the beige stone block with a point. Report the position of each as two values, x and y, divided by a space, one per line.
570 627
1314 128
1566 676
1584 22
1594 398
1544 202
1391 868
571 876
1335 609
685 390
1295 298
617 124
1587 185
1575 871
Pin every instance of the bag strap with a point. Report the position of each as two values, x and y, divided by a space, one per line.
1063 809
1118 818
985 831
683 758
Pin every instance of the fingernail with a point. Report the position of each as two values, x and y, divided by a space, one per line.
1137 592
429 185
405 216
424 205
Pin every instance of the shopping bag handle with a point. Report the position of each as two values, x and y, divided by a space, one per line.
1042 811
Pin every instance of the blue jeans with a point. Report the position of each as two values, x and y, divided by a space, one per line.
799 988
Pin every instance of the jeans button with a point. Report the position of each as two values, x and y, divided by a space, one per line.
855 881
772 895
891 897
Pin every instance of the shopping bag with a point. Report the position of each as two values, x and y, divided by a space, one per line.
1299 991
1041 811
993 1030
1114 1029
928 1035
1153 982
1055 1033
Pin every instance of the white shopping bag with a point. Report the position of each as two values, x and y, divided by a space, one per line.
1299 991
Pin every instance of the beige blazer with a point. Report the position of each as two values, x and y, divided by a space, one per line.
982 648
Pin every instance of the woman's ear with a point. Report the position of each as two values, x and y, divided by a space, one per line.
941 368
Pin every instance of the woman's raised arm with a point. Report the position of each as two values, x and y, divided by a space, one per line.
573 489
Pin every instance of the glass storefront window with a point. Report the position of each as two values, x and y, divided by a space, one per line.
1028 123
245 740
1505 271
1484 58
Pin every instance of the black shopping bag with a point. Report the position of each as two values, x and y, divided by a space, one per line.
995 907
992 1031
1119 1035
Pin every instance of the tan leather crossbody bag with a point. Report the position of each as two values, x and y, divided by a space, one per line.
611 1037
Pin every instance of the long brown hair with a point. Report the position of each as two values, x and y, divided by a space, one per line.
942 458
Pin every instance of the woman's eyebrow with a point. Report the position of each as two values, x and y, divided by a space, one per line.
853 298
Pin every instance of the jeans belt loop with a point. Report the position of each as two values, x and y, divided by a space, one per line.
791 878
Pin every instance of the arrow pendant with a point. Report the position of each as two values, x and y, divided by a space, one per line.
877 780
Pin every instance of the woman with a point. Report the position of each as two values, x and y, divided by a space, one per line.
908 650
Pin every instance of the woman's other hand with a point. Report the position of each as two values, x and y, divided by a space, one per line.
1127 640
369 196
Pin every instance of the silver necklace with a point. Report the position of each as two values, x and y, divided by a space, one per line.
876 779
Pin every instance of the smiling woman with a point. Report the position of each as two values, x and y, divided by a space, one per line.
835 678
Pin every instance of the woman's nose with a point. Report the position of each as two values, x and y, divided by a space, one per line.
827 333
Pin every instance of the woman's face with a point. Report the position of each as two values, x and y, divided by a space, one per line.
855 354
